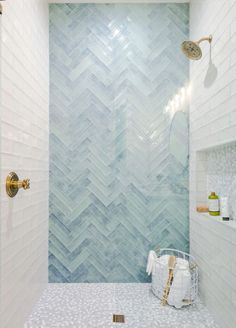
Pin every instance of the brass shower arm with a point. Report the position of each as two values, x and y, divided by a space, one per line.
1 7
192 49
206 38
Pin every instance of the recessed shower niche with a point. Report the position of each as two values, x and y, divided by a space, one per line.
216 171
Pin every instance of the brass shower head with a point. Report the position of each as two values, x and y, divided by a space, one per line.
192 49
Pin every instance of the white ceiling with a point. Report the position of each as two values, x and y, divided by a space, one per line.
115 1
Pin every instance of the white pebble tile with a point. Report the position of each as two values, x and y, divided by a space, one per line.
92 305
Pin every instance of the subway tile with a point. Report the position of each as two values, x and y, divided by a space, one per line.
24 129
213 243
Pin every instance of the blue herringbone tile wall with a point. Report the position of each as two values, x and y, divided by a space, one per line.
116 189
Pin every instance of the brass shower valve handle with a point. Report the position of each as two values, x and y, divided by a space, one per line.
13 184
25 184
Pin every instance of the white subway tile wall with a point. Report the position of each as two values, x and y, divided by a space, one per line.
24 149
212 123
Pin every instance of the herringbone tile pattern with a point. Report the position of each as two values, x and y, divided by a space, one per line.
115 188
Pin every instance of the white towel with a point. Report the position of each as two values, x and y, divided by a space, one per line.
151 261
160 274
181 284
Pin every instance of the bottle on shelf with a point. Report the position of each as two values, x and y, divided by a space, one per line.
224 208
213 204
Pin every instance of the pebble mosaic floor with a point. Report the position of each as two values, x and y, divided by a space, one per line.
93 305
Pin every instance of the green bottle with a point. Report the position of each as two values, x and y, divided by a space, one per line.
213 204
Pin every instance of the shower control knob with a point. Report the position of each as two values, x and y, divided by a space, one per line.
26 184
13 184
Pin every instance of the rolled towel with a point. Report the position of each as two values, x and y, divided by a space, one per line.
160 274
151 261
181 284
182 263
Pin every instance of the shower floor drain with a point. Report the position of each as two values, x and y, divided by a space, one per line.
120 318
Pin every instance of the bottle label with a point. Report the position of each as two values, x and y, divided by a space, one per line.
213 205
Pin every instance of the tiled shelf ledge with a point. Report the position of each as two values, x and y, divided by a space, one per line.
229 224
215 224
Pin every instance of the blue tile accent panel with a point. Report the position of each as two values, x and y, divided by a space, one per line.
116 188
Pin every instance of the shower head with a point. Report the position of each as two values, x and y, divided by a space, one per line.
192 49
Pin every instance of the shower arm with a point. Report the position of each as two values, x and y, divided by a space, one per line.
207 38
1 7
